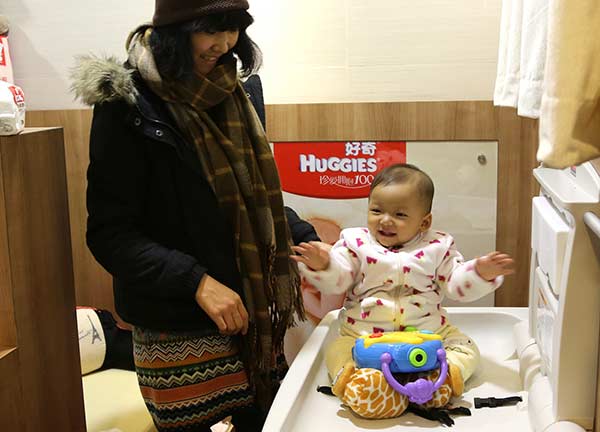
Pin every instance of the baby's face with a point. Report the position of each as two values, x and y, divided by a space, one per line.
396 214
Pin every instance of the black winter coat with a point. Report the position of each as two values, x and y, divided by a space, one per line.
153 220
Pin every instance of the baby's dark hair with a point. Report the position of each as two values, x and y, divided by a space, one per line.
403 173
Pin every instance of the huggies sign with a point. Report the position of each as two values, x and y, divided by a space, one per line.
335 170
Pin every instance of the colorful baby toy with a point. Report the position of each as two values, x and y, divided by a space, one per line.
407 351
368 383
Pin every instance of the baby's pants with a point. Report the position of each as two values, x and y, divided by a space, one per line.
460 351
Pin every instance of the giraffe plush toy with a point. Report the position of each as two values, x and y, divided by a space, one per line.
391 370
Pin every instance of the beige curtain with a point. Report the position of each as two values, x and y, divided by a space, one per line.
570 112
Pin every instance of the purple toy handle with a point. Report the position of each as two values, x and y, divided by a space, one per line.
421 390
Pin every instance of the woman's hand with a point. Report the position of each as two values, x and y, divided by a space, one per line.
494 264
223 305
315 255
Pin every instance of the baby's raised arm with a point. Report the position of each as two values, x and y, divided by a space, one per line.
314 255
471 280
494 264
332 270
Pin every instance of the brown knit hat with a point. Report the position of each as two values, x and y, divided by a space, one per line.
173 11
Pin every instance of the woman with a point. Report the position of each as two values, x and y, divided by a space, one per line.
185 211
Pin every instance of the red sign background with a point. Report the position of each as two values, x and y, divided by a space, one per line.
336 170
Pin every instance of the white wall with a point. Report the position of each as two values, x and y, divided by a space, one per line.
45 35
314 50
378 50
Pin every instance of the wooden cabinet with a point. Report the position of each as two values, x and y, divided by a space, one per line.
40 380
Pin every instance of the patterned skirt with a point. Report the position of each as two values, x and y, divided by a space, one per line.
190 380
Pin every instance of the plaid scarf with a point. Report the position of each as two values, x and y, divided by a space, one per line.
214 113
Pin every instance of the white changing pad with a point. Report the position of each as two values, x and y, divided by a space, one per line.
113 402
299 407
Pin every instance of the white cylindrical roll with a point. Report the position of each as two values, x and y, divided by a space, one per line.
522 337
539 402
530 361
565 426
530 366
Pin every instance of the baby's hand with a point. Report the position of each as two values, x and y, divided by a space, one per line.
494 264
314 255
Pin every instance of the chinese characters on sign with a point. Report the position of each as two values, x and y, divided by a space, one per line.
335 170
364 148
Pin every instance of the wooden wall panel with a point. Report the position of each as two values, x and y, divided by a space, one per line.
517 145
93 285
39 247
11 396
8 335
431 121
10 387
462 120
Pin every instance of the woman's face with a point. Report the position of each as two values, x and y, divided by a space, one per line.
207 48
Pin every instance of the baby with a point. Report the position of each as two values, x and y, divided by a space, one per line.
395 274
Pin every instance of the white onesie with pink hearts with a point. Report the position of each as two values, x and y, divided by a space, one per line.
389 289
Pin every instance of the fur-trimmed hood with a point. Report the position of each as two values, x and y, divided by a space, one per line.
97 80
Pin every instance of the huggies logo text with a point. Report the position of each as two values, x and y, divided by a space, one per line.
310 163
336 170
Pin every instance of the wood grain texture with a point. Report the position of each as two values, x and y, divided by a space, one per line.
93 285
461 120
11 395
37 225
8 335
444 121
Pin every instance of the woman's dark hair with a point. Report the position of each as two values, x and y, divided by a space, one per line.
403 173
172 48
